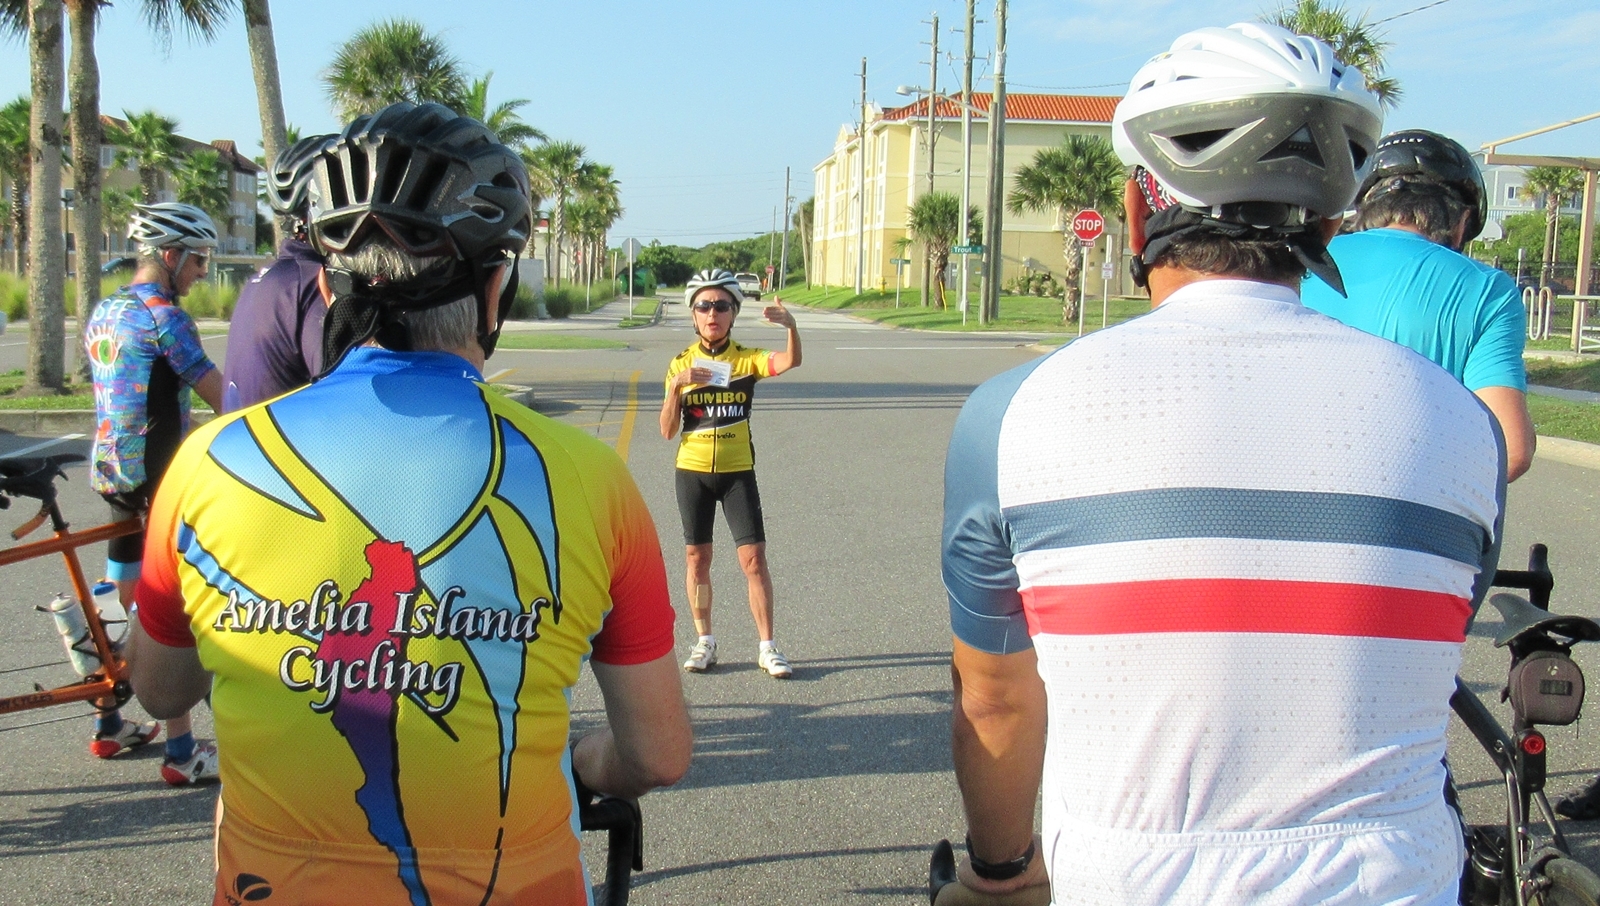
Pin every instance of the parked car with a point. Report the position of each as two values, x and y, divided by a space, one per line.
750 285
118 264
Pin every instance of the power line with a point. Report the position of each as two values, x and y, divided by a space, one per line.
1070 87
1410 11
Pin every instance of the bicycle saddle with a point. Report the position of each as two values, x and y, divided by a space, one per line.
1519 618
34 476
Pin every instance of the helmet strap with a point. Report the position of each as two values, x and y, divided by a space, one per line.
489 337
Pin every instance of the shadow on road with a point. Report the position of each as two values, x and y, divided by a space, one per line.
125 816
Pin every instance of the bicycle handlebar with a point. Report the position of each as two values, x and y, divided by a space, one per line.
35 476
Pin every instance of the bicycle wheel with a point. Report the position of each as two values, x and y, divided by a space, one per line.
1571 884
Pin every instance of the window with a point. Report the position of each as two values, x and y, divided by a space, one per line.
108 156
1512 192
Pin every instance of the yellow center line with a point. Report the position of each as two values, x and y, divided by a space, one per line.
499 374
625 436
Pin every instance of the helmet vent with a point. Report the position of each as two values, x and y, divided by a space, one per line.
337 196
1195 142
394 174
432 175
359 181
1299 145
1358 154
1295 50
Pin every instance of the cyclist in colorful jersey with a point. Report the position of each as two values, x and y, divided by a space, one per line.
1210 570
275 334
403 572
1406 279
145 356
717 458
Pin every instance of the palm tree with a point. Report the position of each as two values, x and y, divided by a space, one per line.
1081 172
390 61
502 119
803 217
149 142
601 194
47 253
202 180
14 119
269 88
116 208
1557 185
1354 40
935 221
555 168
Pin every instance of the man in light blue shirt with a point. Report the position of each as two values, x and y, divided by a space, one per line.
1406 280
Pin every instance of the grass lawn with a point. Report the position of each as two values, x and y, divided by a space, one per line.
1567 375
533 340
1032 314
1561 418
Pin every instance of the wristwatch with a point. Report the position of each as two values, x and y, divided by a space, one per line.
999 871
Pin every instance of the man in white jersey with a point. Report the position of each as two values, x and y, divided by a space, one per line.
1210 570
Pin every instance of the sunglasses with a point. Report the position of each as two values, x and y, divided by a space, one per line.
719 306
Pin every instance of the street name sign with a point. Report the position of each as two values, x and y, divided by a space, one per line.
966 250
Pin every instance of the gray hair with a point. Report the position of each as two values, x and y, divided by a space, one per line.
1432 208
442 328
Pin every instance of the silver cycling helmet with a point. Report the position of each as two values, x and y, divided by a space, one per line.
715 277
1250 113
172 225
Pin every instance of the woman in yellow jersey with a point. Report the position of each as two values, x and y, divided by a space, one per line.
710 387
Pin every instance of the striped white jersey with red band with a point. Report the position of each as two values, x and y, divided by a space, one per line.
1245 542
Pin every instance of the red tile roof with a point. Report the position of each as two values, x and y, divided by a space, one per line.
1060 108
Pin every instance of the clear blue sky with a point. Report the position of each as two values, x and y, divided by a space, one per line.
700 105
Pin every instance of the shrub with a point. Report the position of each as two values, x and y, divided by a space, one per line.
209 300
525 307
1034 283
558 303
205 300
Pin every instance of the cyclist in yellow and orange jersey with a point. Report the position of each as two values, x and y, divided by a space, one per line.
710 387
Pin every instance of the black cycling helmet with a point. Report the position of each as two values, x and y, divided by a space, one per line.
436 185
1417 156
290 173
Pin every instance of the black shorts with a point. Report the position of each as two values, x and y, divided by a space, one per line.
698 494
125 506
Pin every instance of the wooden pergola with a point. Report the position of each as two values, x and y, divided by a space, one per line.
1589 165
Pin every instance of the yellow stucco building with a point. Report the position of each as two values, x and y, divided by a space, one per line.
897 175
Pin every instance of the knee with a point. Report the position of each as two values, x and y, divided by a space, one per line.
699 559
753 559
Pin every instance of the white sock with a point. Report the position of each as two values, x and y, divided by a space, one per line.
709 639
768 644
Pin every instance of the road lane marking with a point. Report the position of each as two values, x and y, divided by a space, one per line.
625 436
499 374
42 444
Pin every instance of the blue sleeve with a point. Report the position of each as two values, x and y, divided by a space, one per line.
1496 358
179 341
979 575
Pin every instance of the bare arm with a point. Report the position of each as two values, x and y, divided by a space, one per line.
1510 408
648 740
672 406
997 737
790 357
168 681
210 389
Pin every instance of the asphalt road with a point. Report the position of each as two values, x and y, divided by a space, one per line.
828 788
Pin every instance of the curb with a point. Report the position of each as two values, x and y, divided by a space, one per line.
1571 452
1576 396
81 421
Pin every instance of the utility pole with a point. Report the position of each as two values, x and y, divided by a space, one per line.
992 259
861 185
933 96
783 261
966 153
772 239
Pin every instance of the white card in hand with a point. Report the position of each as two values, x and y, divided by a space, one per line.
721 372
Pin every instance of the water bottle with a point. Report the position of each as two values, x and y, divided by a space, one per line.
74 629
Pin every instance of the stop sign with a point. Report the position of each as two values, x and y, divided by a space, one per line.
1088 225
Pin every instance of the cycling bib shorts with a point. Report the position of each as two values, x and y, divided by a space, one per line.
698 496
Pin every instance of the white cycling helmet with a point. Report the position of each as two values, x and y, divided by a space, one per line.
1250 113
715 277
172 225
